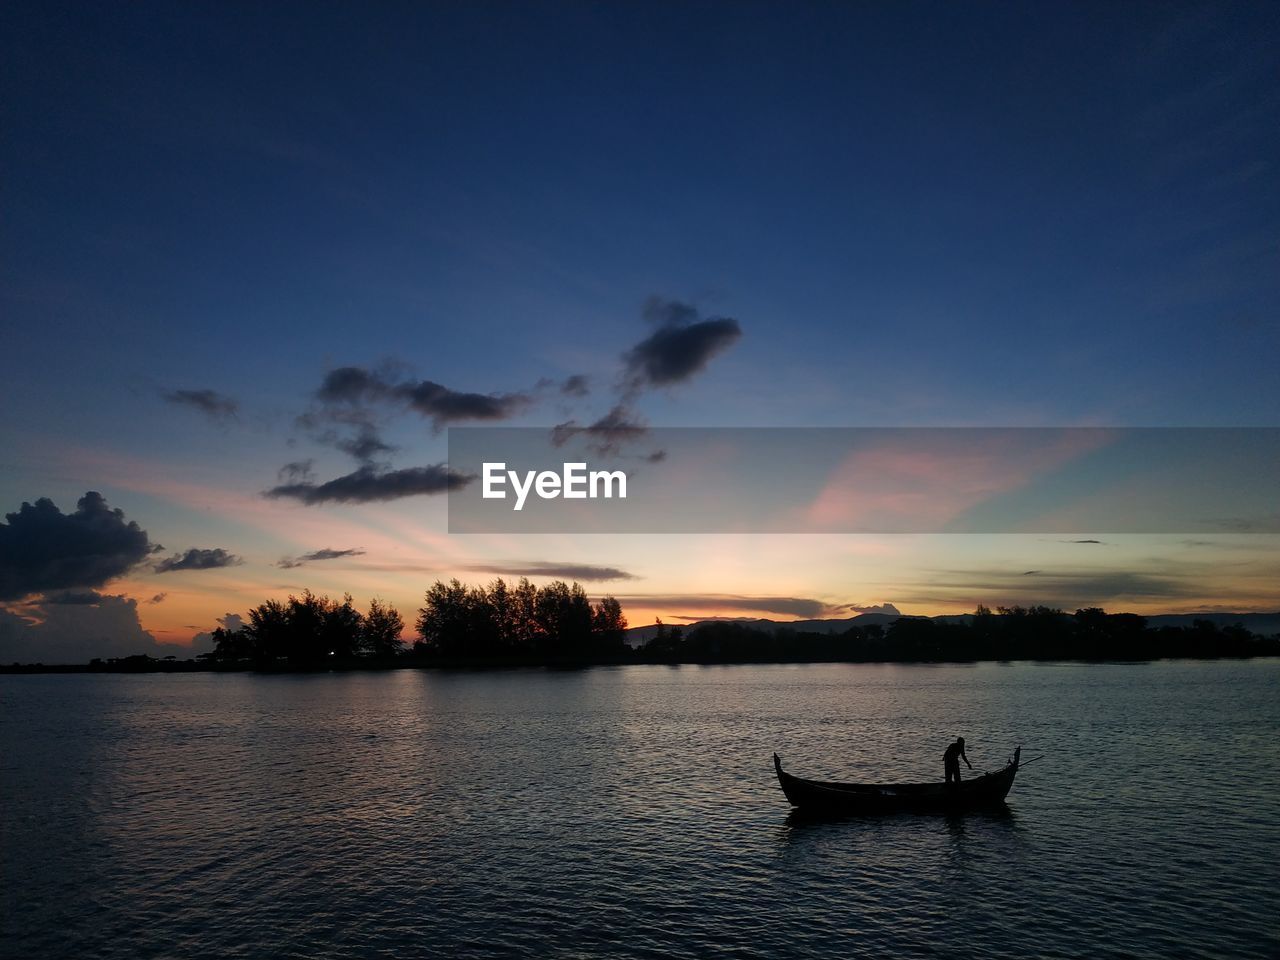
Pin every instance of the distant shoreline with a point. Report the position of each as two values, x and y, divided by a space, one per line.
564 663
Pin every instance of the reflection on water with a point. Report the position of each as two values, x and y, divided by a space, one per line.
634 812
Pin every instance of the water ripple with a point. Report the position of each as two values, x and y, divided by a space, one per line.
632 812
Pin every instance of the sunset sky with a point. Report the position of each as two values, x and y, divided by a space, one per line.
249 250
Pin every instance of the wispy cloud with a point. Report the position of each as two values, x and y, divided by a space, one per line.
216 406
700 604
352 386
548 568
368 485
289 563
197 558
608 435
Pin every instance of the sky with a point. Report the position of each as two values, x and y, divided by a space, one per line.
250 250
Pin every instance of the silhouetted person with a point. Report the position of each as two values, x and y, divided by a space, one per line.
951 761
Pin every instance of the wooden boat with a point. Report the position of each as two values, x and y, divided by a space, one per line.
983 792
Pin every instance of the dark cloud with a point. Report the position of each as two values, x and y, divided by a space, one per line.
680 347
43 549
346 390
198 559
299 471
887 608
608 435
158 598
369 484
78 632
288 563
214 405
365 446
442 406
352 385
793 606
575 386
546 568
70 597
1068 589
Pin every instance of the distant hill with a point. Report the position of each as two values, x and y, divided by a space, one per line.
1264 624
639 635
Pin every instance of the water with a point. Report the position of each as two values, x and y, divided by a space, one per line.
633 812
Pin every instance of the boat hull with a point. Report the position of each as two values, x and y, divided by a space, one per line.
984 792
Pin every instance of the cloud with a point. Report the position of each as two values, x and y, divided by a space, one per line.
157 598
681 347
1067 589
887 608
365 445
70 597
353 386
231 622
607 435
1269 523
442 406
198 559
575 386
216 406
369 485
934 479
296 472
77 632
43 549
288 563
801 607
546 568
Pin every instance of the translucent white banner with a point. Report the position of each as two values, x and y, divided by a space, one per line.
1071 480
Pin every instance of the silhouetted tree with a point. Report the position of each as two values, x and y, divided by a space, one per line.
381 629
556 620
310 631
608 622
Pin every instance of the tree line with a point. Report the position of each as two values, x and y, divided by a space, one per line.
311 631
523 623
456 622
1007 633
521 620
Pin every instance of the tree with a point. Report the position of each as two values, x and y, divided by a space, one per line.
380 631
268 631
308 630
442 619
558 619
608 622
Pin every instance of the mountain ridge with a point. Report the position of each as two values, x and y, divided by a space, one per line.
1260 623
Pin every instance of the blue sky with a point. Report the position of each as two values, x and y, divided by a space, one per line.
918 214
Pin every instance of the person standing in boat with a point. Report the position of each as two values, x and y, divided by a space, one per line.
951 761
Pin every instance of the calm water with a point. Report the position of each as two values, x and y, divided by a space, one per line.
633 812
